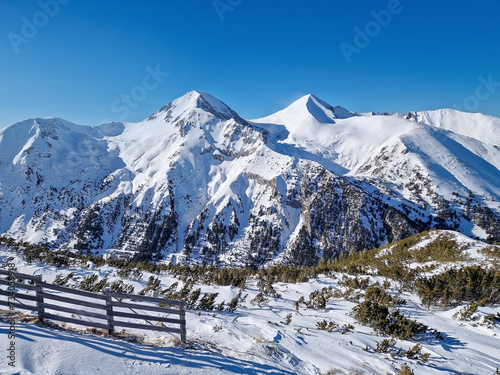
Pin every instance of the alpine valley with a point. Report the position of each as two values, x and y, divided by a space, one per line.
195 183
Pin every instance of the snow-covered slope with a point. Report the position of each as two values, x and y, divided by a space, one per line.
454 164
476 125
194 182
345 142
352 141
426 157
276 336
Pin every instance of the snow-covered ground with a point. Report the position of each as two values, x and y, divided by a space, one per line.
257 339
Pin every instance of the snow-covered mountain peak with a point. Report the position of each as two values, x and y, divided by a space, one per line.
44 129
305 111
31 124
196 103
319 109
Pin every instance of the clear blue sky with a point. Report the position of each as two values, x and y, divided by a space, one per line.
257 56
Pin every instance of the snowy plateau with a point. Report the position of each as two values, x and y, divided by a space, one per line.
328 214
195 183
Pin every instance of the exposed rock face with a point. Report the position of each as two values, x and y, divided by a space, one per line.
196 183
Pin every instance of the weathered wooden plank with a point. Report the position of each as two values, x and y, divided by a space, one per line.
18 305
18 285
109 311
182 317
39 297
65 289
72 300
148 298
74 321
19 295
149 327
149 317
18 275
145 307
74 311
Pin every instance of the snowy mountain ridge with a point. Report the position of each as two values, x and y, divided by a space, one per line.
196 183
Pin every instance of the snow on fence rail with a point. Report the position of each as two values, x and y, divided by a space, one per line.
112 303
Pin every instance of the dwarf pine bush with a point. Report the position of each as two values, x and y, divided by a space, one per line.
455 286
378 311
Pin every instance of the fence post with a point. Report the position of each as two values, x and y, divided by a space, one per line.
39 298
182 317
109 311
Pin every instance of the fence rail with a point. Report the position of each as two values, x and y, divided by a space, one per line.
108 302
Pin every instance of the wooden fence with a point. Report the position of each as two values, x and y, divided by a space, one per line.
110 302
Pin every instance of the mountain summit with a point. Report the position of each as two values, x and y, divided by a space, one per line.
196 100
305 110
196 183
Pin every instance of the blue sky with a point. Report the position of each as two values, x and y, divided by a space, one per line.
81 59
